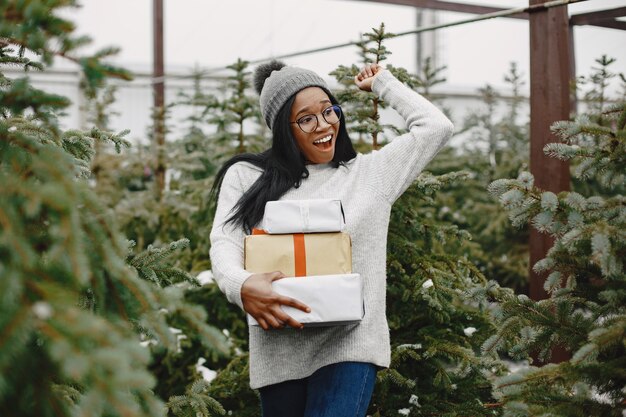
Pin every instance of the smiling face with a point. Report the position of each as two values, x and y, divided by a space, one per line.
318 147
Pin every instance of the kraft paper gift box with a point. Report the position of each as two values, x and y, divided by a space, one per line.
298 255
333 299
303 216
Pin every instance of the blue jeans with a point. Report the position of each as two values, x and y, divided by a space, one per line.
339 390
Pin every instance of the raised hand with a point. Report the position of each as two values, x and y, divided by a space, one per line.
366 76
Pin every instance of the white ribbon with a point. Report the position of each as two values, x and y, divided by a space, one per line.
305 215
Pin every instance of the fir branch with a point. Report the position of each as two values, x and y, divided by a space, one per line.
195 402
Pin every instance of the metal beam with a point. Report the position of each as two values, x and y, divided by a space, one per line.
602 18
611 24
595 17
449 6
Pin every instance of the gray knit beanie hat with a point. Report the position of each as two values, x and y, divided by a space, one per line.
276 83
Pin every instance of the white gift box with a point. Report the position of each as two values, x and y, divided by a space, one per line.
303 216
333 299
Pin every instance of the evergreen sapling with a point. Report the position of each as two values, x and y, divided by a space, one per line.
586 280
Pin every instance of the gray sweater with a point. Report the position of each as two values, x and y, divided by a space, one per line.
367 186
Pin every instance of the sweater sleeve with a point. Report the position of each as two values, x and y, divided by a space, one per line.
227 240
397 164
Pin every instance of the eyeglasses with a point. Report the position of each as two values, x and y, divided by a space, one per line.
309 122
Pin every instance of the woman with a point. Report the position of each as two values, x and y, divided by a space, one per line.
320 371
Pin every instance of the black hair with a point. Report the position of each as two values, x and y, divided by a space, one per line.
283 166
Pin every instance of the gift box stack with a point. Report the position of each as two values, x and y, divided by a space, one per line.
304 240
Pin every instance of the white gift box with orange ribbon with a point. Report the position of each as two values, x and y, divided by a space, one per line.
333 299
303 216
298 255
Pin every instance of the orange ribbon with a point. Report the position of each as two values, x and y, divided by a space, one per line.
299 251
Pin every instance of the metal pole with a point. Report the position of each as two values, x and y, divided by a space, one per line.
549 101
159 95
419 44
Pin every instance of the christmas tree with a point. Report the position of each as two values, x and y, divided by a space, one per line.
239 108
362 108
185 209
217 128
75 304
586 280
492 142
